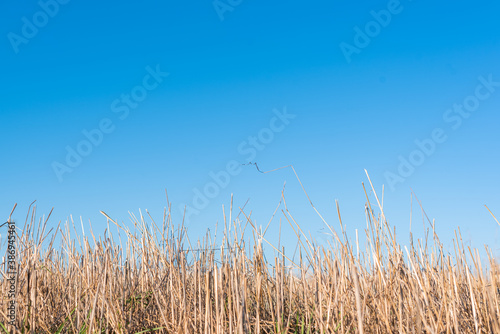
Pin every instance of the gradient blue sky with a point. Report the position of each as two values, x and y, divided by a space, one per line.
225 79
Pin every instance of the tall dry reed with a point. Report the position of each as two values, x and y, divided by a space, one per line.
152 279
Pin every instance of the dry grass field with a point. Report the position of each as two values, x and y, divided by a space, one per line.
153 279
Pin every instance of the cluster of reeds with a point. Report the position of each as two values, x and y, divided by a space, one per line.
152 279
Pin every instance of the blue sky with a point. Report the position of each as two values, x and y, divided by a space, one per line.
235 68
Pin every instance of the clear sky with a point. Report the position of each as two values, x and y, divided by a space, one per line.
103 106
